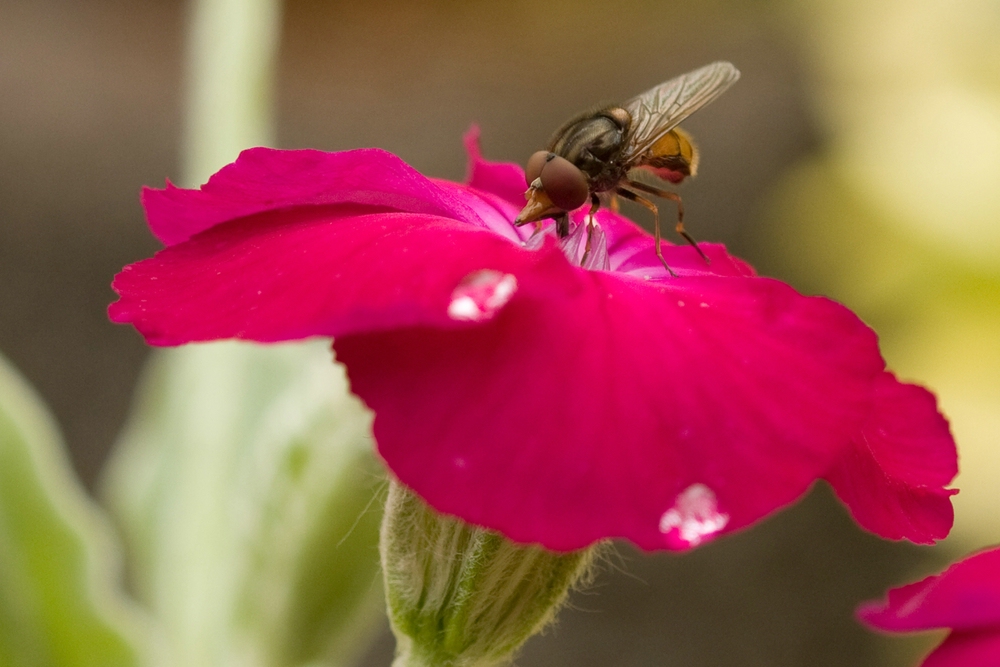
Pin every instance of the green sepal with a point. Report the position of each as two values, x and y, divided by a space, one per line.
463 596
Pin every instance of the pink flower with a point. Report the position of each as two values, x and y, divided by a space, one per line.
557 403
964 598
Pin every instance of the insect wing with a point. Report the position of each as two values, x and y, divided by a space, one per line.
661 109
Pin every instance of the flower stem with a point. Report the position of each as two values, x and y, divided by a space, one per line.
231 54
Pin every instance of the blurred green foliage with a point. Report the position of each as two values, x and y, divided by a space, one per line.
898 213
58 603
247 493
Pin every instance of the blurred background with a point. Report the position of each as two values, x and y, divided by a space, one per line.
858 157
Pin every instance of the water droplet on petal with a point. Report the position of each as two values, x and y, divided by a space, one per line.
694 518
480 295
680 304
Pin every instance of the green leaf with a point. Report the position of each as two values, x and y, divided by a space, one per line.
246 487
58 561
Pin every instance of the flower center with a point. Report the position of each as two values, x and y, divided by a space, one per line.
586 246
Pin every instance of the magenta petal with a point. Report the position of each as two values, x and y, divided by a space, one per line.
311 271
503 179
892 479
597 405
966 596
632 251
967 649
520 391
494 213
264 179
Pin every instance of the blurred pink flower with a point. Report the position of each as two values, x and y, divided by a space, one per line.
964 598
515 388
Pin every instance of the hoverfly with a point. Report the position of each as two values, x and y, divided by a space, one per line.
594 154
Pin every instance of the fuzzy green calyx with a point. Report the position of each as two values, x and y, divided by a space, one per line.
463 596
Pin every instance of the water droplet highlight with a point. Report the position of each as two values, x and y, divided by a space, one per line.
694 518
480 295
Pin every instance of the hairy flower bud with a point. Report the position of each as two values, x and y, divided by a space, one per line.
462 596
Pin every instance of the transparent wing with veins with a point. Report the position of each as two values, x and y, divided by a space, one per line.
661 109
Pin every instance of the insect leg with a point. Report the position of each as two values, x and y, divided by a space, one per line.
676 198
562 226
639 199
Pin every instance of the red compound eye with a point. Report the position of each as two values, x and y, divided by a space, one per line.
565 185
534 167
